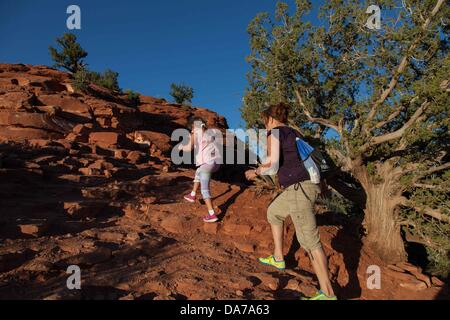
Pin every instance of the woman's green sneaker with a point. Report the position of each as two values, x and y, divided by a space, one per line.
321 296
270 261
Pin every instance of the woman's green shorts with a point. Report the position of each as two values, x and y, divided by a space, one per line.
297 201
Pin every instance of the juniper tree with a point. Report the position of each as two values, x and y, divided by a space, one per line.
181 93
382 93
71 55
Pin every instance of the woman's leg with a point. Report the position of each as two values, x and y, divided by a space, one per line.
276 214
277 232
320 266
307 232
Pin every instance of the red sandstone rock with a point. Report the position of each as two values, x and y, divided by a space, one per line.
423 277
81 210
211 228
90 171
34 229
105 139
267 280
173 224
68 104
414 285
237 229
120 154
437 282
17 100
244 246
136 157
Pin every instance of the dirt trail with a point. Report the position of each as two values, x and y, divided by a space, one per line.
157 247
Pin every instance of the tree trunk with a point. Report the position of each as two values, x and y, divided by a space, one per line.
380 221
380 217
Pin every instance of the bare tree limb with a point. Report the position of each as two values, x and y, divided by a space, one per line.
426 241
431 171
400 132
389 119
392 116
436 169
434 213
431 187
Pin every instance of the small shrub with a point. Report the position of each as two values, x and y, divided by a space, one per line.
133 98
109 80
81 80
181 93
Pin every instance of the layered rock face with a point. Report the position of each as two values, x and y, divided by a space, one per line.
37 102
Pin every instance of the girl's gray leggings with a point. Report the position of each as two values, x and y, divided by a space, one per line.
203 175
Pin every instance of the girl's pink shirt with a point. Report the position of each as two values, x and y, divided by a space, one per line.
207 150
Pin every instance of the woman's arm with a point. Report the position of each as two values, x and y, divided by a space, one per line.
271 165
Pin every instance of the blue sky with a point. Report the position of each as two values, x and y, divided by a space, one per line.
202 43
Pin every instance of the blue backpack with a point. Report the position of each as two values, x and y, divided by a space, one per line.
312 158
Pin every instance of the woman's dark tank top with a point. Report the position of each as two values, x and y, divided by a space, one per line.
291 168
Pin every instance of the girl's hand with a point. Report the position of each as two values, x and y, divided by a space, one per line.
250 175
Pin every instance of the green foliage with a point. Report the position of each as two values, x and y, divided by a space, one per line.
81 80
107 79
181 93
134 98
439 259
338 204
83 77
384 93
71 55
435 236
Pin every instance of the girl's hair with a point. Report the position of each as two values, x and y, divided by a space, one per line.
278 111
192 122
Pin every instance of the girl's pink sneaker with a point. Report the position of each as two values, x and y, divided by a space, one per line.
189 198
210 218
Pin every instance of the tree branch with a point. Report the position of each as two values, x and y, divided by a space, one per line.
325 122
434 213
430 186
400 132
392 116
389 119
402 66
436 169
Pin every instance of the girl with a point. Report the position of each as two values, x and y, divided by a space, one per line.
296 200
207 159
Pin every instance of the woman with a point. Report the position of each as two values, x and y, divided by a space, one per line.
297 199
207 158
